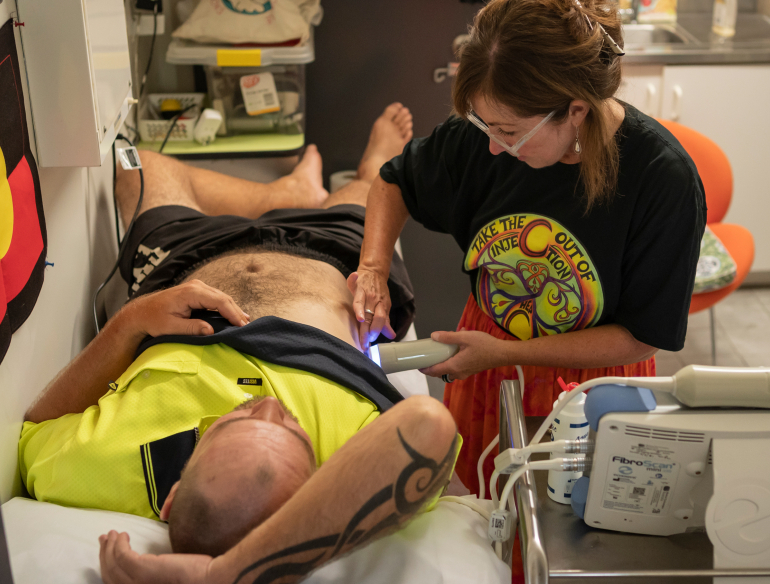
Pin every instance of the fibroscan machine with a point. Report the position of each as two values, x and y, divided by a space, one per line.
670 455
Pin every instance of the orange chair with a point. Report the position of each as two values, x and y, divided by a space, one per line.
717 177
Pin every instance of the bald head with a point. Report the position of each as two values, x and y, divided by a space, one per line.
246 466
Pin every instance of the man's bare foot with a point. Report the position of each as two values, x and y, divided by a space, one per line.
390 133
303 188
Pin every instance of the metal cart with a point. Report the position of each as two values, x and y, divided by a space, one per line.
557 544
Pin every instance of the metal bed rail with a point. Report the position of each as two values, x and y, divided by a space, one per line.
512 434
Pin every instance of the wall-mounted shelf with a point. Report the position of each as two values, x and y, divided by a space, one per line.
244 146
183 52
224 66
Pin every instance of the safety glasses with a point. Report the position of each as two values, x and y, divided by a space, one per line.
512 150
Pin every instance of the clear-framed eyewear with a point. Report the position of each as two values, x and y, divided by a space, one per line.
512 150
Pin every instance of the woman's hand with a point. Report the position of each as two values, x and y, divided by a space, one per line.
371 305
122 565
478 352
168 312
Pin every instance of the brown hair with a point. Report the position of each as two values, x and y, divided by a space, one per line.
536 56
199 524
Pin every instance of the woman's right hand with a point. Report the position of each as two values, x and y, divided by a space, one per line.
371 305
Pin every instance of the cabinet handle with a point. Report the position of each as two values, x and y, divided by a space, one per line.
652 92
676 103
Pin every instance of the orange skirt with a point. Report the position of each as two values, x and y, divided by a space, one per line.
474 402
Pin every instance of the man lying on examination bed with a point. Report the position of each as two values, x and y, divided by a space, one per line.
291 444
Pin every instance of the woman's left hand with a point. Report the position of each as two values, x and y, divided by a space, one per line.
478 352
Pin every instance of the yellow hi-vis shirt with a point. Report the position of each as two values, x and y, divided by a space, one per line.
124 453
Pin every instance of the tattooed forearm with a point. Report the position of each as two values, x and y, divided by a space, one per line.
424 484
422 478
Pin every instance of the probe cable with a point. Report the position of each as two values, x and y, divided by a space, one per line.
479 469
561 464
123 245
488 449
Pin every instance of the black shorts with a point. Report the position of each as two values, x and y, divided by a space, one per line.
168 243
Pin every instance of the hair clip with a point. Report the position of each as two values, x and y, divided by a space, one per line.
610 41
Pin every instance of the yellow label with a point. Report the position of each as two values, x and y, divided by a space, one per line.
239 57
6 210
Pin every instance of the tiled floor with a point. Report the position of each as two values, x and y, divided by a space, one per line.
743 334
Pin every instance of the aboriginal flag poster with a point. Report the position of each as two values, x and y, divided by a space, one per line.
23 239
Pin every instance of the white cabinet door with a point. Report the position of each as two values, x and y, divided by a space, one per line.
641 87
730 105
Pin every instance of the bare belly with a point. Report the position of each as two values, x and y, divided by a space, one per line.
269 283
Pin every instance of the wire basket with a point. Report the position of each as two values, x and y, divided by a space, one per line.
151 129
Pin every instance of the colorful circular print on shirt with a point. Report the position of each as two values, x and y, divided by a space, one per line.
535 278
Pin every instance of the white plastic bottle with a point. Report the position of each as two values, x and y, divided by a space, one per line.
570 424
725 15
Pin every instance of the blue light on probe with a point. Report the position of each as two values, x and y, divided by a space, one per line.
374 354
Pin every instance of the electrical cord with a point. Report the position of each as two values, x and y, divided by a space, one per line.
661 383
122 246
152 48
174 120
114 197
514 457
480 466
553 464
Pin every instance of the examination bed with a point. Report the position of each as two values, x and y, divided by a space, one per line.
51 543
448 544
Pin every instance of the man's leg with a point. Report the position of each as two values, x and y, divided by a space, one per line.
170 182
390 133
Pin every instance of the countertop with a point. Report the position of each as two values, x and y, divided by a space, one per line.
751 43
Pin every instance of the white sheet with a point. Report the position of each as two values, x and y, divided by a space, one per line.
50 543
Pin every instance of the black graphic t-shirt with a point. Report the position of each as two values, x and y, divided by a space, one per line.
539 264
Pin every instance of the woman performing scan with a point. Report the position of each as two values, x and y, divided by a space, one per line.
580 217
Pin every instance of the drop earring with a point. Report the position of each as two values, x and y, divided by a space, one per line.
578 149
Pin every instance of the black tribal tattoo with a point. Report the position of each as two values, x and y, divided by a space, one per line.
423 474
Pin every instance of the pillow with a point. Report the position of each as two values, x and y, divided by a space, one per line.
250 21
716 268
50 543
